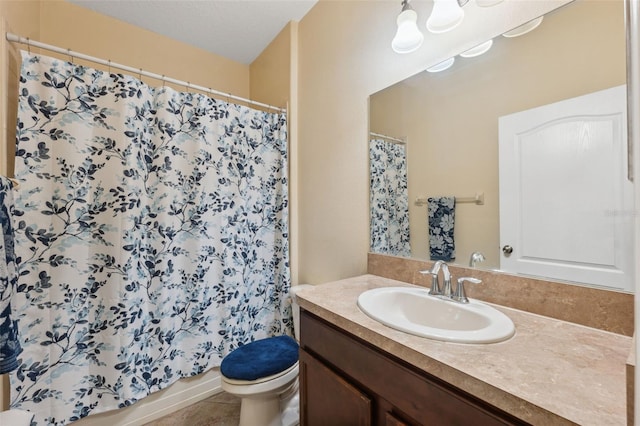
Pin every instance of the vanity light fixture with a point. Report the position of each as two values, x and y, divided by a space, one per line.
445 16
525 28
444 65
408 37
478 50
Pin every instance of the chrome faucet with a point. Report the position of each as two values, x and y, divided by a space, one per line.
447 292
476 257
435 284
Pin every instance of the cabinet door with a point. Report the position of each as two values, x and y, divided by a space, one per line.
328 399
393 387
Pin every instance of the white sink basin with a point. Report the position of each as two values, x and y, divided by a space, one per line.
413 311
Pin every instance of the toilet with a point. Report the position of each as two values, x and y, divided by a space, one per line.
264 374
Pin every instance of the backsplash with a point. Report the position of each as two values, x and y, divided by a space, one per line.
597 308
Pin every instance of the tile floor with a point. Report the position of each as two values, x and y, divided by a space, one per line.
218 410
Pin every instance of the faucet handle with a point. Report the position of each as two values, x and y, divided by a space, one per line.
460 295
435 285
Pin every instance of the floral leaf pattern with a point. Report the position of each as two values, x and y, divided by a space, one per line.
389 198
151 236
10 346
441 223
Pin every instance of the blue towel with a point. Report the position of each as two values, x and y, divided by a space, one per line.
9 345
441 220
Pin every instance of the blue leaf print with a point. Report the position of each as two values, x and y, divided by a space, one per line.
152 236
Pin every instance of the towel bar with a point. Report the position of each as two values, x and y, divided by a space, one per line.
478 199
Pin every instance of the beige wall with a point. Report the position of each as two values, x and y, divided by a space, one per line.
270 72
65 24
345 56
451 118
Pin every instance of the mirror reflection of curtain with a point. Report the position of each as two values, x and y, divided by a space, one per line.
389 198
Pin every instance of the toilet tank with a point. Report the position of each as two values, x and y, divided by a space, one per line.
295 308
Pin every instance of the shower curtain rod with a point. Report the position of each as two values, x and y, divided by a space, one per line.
139 71
401 141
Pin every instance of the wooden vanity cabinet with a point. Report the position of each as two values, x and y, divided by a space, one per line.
347 381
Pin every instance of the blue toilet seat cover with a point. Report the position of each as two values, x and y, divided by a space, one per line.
260 358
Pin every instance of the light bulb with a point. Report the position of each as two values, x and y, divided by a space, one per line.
524 28
408 37
478 50
445 16
444 65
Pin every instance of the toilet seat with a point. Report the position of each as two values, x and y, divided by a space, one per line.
238 382
254 388
261 358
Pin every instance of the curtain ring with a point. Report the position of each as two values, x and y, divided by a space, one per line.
109 66
28 45
188 86
70 55
140 74
163 80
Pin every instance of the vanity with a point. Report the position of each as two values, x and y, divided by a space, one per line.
356 371
567 361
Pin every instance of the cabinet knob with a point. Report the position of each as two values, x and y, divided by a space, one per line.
507 250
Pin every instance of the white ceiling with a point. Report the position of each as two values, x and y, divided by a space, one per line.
236 29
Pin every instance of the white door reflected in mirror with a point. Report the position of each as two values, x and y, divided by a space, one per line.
564 195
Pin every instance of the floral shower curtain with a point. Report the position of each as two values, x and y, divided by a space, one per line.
389 198
151 230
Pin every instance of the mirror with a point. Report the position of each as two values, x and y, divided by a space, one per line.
449 119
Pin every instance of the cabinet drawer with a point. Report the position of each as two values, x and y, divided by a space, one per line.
421 397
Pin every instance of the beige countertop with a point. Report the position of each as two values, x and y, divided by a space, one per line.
549 372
